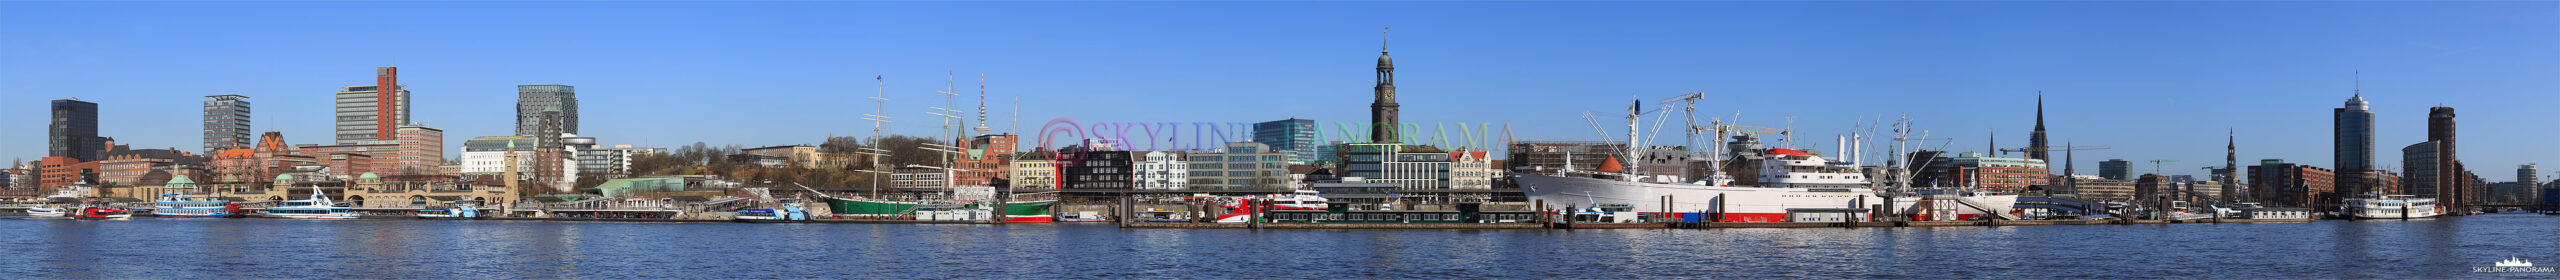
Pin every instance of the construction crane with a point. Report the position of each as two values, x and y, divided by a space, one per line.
2005 152
2155 165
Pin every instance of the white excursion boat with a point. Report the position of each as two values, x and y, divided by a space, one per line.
2391 207
1299 200
318 207
45 212
195 206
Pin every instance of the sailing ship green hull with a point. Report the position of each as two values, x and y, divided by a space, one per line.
1019 211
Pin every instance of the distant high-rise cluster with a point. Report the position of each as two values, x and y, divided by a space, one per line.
368 114
2434 168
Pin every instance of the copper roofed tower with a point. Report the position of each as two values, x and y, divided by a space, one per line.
1382 113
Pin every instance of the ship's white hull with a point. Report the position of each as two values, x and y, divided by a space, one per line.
311 213
47 212
2413 208
1739 204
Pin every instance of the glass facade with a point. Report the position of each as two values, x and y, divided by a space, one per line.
74 130
531 100
1244 165
2353 143
356 112
226 123
1294 134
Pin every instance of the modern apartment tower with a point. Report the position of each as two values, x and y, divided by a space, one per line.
226 123
1293 134
2352 144
531 100
74 131
2116 169
371 115
2529 174
1382 113
2449 173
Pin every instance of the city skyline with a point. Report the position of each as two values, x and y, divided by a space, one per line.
1960 70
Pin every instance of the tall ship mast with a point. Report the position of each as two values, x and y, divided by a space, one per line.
1764 185
947 205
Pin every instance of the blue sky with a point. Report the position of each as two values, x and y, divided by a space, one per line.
2152 80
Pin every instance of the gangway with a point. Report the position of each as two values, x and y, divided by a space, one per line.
1977 206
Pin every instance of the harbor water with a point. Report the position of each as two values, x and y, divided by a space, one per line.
275 248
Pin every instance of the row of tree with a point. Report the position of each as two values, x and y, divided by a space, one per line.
705 159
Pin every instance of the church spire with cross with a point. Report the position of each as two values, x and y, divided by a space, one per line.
1382 113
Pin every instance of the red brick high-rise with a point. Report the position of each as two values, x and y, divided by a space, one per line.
386 84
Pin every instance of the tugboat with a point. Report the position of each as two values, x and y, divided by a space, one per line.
317 207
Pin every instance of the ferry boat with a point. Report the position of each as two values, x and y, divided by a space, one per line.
195 206
317 207
101 213
786 214
457 212
2391 207
1299 200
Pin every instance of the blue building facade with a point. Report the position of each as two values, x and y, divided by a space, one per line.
2353 142
1293 134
